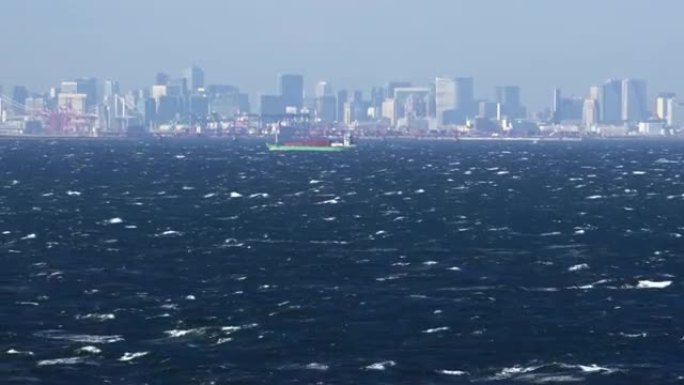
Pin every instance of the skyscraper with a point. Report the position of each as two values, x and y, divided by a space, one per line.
194 78
162 79
19 95
445 99
634 100
557 105
508 97
611 102
88 86
590 112
323 88
454 99
666 105
111 88
291 89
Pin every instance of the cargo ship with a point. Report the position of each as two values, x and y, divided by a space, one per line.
312 144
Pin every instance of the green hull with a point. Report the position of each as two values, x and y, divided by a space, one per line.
281 147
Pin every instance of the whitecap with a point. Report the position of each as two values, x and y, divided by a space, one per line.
89 350
73 193
178 333
381 365
638 172
114 221
646 284
100 317
455 268
170 233
19 353
419 191
330 202
62 361
582 266
131 356
314 181
180 156
81 338
436 330
430 263
316 366
29 236
235 195
210 195
594 197
452 372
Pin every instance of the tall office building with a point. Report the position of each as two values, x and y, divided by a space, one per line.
19 96
326 108
291 89
111 88
88 86
590 112
454 99
445 99
271 105
391 86
323 88
557 106
666 105
508 98
162 79
634 100
194 78
611 102
342 98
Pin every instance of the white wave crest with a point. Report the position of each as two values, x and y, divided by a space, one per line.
646 284
131 356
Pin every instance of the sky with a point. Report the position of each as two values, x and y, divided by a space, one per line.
354 44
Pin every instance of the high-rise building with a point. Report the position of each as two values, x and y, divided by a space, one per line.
666 105
270 105
445 99
68 87
326 108
634 100
342 97
391 86
162 79
376 98
194 78
611 102
323 89
19 96
508 97
557 106
291 90
570 110
590 112
88 86
111 88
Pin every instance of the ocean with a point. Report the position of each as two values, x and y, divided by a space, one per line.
398 262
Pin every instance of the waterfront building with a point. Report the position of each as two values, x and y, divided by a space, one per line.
323 89
291 90
194 78
326 108
270 105
666 104
611 102
590 112
508 98
634 100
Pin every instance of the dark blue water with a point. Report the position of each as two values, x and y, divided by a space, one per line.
207 262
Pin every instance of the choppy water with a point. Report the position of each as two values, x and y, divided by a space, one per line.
200 262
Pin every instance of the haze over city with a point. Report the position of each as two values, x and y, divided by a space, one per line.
356 44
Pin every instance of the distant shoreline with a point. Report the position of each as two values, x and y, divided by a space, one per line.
361 139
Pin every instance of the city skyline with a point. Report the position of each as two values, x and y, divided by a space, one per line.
354 45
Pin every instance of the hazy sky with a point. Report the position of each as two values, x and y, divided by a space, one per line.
538 44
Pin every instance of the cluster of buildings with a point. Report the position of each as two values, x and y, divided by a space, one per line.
447 106
619 107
